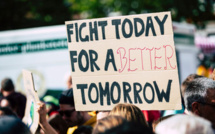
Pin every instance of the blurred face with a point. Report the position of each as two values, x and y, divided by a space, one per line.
71 116
69 82
207 110
1 113
4 103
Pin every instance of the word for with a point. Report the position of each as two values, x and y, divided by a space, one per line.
126 27
87 60
96 93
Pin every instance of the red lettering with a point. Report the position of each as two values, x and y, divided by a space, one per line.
141 56
156 57
119 52
153 56
129 63
150 54
165 46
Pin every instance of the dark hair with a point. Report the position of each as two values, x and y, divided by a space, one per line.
12 102
58 123
129 128
7 111
66 97
12 125
7 84
83 130
17 102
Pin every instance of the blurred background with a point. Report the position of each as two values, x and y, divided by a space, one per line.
33 35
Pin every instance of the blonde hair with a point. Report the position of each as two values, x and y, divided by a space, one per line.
107 123
130 112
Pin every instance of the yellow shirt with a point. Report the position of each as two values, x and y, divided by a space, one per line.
91 122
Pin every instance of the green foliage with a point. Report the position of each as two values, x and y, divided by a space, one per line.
195 10
15 14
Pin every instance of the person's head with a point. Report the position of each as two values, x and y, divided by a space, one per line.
68 112
184 124
156 122
129 128
187 81
7 111
58 123
9 102
16 103
107 123
69 82
130 112
7 85
12 125
199 98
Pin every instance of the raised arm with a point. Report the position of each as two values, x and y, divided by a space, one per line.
46 127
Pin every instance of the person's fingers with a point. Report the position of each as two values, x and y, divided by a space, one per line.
41 108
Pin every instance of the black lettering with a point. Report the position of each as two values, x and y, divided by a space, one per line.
126 90
137 34
116 22
104 92
76 31
149 25
130 28
163 94
93 86
82 87
115 84
137 90
73 59
93 31
103 24
81 54
144 93
86 38
161 23
93 60
110 59
69 31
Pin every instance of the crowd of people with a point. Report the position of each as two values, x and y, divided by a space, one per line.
59 116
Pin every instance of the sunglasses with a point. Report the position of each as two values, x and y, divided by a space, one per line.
67 113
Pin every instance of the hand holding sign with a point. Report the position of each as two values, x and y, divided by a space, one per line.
46 127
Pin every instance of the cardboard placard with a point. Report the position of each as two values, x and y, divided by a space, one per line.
31 117
127 59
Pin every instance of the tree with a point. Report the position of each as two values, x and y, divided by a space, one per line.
15 14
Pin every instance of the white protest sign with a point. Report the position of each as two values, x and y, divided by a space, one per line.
127 59
31 117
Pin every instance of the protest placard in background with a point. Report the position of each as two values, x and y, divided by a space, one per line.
31 118
127 59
